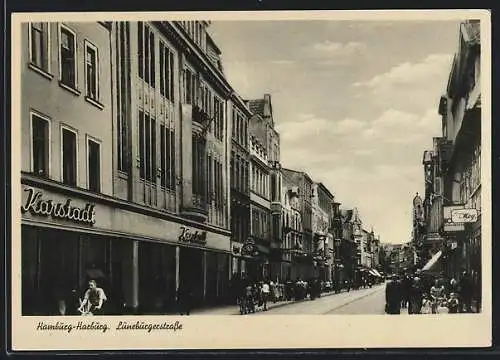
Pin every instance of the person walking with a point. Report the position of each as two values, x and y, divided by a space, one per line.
265 293
416 297
465 292
453 303
184 298
393 296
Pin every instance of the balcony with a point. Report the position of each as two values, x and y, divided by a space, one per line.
201 119
197 210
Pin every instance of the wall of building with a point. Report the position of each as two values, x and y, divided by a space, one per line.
43 95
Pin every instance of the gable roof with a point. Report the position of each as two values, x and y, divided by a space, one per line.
256 106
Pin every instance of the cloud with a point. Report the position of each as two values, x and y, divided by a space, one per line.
336 48
394 126
407 73
308 125
282 62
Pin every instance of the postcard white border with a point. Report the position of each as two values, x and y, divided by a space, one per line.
296 331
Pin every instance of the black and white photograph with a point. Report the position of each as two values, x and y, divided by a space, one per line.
179 167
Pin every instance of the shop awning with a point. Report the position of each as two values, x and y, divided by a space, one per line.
432 265
371 271
376 273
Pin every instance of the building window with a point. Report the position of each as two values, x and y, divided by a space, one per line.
167 157
67 57
234 123
147 144
91 71
94 165
122 92
189 87
146 56
166 72
40 137
218 118
69 156
40 45
198 157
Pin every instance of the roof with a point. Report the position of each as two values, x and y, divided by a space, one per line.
472 32
256 106
325 189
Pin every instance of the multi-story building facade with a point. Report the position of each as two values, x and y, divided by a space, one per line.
67 232
349 252
240 184
462 180
304 257
269 137
322 202
292 233
454 166
260 203
336 229
173 155
140 154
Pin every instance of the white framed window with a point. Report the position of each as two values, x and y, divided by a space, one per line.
91 71
40 144
94 164
69 155
39 47
68 75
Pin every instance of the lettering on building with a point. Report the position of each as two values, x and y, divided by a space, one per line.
37 205
195 237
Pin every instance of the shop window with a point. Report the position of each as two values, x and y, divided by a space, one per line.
40 137
91 71
67 57
40 45
69 156
94 165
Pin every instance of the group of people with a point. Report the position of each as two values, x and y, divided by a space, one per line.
253 295
418 293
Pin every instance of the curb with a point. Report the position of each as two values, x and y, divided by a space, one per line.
351 301
307 299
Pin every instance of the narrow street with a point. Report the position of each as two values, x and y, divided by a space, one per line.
363 301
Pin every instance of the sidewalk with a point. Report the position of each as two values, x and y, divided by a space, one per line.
234 309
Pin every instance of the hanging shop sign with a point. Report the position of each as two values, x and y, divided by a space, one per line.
449 225
464 215
37 205
194 237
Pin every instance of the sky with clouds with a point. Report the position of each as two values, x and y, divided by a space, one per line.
355 103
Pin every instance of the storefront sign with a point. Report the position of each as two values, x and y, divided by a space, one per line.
196 237
450 225
464 216
36 205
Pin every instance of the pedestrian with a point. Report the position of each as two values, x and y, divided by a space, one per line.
184 298
466 291
406 285
453 303
393 296
265 291
416 297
